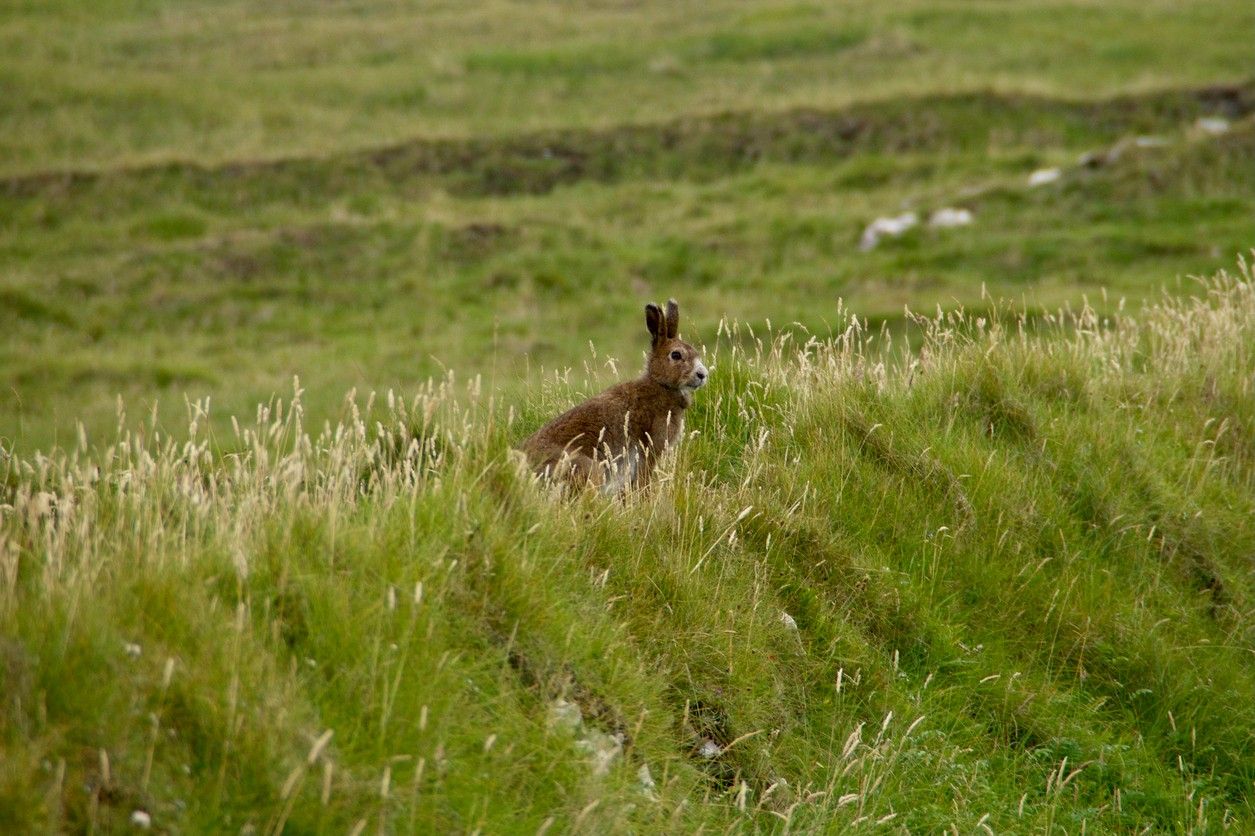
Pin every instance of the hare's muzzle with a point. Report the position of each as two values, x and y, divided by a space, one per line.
700 373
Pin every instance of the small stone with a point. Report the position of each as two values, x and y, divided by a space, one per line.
1099 159
1213 125
564 716
949 216
133 650
888 227
1042 176
710 749
603 749
141 819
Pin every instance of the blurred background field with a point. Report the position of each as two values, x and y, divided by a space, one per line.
125 81
211 198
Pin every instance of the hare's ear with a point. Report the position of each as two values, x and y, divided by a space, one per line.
654 322
673 319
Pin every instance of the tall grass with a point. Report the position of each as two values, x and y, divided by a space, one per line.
997 582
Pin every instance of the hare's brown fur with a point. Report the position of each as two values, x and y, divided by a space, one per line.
614 440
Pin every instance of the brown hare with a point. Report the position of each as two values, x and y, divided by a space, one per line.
613 440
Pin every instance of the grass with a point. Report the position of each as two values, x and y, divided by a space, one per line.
233 80
1000 582
221 197
982 569
371 270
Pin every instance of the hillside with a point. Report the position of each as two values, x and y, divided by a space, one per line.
373 269
1000 582
121 82
983 570
206 198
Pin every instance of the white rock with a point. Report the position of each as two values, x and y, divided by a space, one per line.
788 620
603 749
1097 159
1042 176
564 716
889 227
141 819
950 217
1213 125
645 778
710 749
133 650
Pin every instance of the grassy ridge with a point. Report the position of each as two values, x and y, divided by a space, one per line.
1003 582
698 147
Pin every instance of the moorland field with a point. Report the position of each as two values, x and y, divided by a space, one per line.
962 533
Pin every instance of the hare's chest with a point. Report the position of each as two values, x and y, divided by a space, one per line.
624 470
674 431
667 431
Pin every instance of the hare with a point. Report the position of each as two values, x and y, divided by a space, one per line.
613 440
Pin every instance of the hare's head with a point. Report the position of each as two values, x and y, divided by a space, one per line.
672 362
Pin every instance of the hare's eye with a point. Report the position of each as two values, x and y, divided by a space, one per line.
675 355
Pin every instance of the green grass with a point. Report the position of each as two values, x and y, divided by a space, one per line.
208 199
101 83
1015 540
1018 567
498 257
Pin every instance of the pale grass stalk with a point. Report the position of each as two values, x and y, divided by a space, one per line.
167 675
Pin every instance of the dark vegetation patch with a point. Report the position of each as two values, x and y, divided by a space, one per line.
173 226
18 306
67 372
570 61
696 147
998 411
473 242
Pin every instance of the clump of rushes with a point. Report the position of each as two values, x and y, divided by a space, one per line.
1014 556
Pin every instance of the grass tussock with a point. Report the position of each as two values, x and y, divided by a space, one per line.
997 582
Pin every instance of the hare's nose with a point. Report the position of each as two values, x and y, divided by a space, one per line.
701 374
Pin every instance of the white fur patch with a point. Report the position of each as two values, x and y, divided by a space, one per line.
623 471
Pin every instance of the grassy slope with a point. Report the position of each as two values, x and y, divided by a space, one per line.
375 270
1019 567
1042 550
504 250
116 81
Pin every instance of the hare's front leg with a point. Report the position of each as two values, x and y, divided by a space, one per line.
575 469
